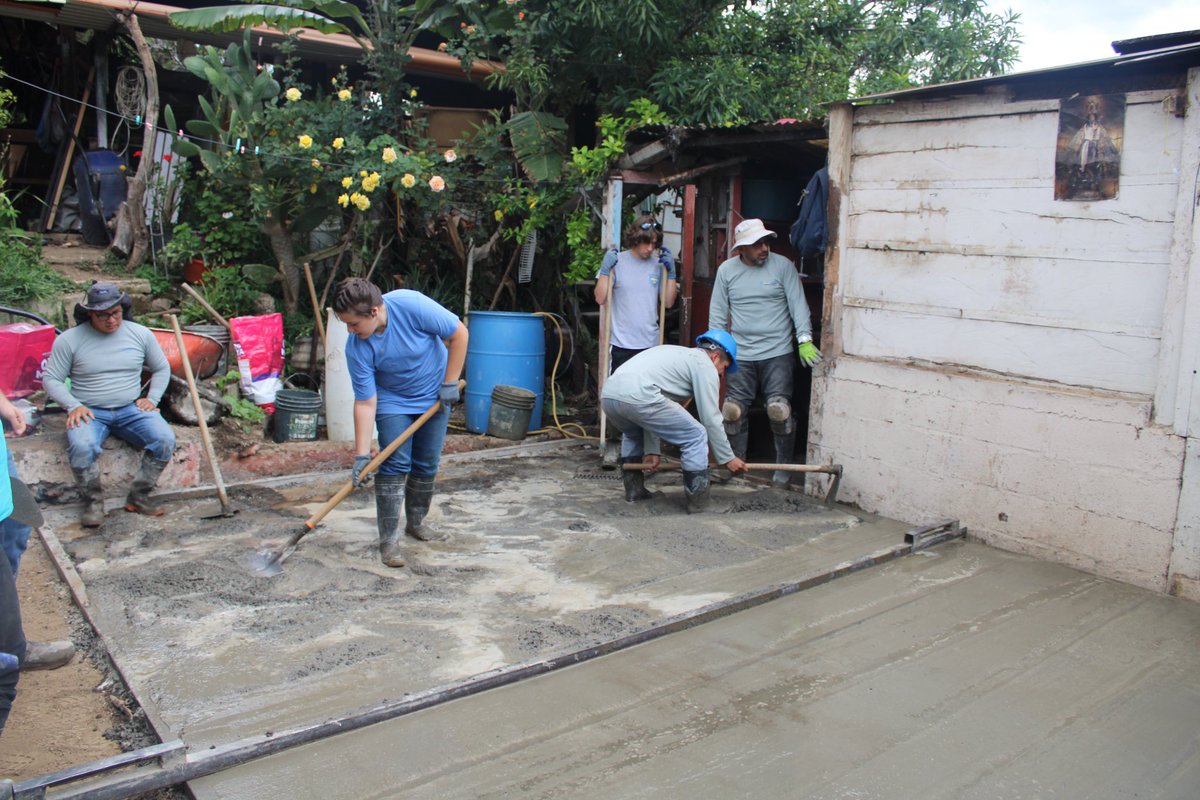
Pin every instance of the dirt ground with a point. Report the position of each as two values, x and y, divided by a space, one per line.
61 717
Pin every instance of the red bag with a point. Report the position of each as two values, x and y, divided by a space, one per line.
24 348
258 342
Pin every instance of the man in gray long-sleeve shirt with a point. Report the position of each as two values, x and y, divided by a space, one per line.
643 400
758 298
104 356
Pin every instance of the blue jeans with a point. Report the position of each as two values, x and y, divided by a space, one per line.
421 453
14 536
666 420
146 430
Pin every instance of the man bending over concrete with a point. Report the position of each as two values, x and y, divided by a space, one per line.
643 400
104 356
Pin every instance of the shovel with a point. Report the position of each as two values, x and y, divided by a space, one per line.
268 563
225 509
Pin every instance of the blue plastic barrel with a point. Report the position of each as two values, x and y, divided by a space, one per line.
505 348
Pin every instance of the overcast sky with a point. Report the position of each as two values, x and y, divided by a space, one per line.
1057 32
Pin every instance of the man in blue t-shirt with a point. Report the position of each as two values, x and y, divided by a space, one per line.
405 353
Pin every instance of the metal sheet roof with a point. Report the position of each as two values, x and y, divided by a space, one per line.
152 18
1189 52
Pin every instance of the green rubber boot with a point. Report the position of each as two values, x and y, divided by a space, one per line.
389 497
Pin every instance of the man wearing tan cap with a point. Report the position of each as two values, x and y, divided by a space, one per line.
757 297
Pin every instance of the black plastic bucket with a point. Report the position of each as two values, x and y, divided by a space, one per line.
296 412
510 413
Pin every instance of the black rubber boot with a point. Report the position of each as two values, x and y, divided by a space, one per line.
785 451
420 497
389 497
635 482
138 499
695 486
92 494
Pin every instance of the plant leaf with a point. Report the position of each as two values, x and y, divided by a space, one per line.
235 18
539 142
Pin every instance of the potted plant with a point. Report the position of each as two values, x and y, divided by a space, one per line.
184 253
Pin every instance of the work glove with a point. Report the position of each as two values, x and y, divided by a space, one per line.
356 476
448 394
809 354
610 261
667 260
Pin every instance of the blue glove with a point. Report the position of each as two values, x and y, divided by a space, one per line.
356 476
809 354
667 260
448 394
610 261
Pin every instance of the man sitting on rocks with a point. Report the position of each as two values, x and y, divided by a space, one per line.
104 356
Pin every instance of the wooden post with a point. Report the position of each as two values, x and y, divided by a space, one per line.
65 166
611 236
131 218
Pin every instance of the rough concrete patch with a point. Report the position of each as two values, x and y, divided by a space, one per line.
539 563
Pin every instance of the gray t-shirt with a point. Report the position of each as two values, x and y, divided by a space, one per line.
635 289
671 372
761 306
105 368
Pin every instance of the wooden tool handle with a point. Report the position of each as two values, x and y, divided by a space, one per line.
191 382
376 462
827 468
312 295
199 299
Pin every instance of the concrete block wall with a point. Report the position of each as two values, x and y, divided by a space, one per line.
1072 476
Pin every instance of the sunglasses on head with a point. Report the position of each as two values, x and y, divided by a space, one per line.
650 226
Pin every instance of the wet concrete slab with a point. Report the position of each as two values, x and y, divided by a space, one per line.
958 672
545 557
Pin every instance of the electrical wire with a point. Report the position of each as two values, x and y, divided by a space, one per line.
558 426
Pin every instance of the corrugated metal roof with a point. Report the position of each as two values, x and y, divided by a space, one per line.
152 18
1095 68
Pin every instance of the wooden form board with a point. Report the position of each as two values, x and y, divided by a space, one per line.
959 254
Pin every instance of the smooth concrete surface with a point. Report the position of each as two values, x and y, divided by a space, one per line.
959 672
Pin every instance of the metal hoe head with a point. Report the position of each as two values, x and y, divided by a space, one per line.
267 563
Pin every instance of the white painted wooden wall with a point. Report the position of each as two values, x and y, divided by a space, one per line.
996 353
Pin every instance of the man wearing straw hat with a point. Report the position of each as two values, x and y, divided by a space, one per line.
757 297
104 355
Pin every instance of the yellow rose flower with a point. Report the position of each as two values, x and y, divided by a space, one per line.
437 183
499 215
343 200
333 80
347 182
412 93
292 94
338 142
316 163
450 155
389 155
362 202
305 141
408 181
362 173
312 188
370 182
344 95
